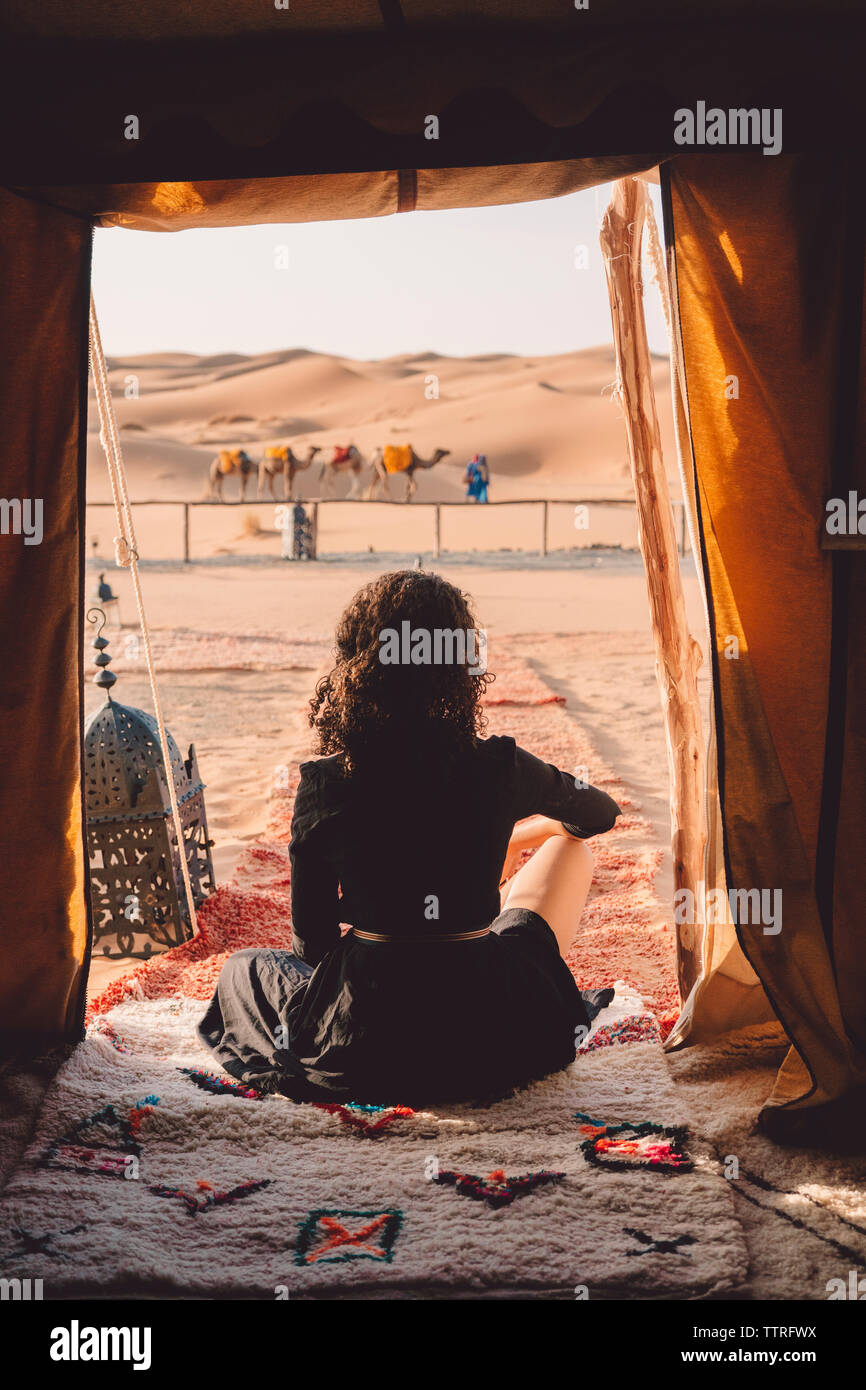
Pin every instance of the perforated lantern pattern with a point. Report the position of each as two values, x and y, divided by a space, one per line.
137 892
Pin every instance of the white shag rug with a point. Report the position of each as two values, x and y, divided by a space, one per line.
138 1181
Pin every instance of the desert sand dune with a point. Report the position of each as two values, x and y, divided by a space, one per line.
548 425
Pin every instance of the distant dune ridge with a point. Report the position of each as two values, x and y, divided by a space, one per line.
548 425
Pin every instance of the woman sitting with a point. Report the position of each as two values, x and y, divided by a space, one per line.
405 828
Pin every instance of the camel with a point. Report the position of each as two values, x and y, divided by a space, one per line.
282 460
381 473
341 459
229 461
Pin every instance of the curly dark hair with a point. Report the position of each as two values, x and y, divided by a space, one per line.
366 708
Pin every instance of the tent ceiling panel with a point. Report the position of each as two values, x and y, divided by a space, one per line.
282 103
165 19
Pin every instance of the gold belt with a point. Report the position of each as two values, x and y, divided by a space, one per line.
439 936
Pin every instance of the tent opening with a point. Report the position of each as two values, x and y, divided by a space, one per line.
557 517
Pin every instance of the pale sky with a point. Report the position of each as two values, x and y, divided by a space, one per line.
472 280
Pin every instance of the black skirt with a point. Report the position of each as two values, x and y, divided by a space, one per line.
406 1022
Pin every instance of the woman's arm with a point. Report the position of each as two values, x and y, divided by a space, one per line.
315 886
539 788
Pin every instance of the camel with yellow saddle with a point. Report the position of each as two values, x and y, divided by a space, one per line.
226 463
399 458
281 460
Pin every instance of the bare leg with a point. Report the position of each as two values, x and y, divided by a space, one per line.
555 881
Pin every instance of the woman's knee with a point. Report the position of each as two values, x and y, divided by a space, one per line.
578 853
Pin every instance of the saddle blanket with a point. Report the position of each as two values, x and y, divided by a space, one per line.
397 457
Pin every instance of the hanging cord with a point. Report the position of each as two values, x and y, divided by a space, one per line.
660 276
126 555
660 272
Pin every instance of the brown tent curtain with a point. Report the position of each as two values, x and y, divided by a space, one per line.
767 261
44 289
727 994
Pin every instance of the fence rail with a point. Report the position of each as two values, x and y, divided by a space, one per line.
314 503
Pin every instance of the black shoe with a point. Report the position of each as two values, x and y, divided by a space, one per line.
595 1000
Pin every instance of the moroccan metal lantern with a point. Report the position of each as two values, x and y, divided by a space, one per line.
137 889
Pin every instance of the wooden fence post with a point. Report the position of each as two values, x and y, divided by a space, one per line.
437 530
678 655
544 527
314 532
186 533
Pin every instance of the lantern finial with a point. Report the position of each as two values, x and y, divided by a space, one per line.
103 678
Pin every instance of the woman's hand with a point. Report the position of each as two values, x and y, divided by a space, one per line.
513 856
528 834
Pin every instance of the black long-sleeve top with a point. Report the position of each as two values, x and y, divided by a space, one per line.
412 853
391 849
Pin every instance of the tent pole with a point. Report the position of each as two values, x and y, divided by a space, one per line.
678 655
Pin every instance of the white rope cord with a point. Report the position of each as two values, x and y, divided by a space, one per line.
660 270
660 275
126 554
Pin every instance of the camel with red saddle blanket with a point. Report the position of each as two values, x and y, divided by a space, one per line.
399 458
341 458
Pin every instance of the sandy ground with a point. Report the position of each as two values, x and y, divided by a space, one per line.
583 625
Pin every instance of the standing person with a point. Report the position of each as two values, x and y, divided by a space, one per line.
470 478
483 477
406 828
477 478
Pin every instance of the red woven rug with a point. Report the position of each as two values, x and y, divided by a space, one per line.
624 934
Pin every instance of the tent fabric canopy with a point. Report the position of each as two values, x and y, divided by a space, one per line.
166 19
770 326
232 91
172 207
251 114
